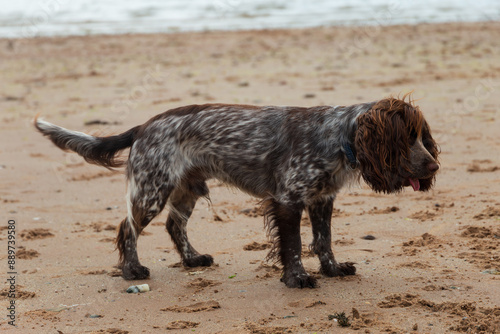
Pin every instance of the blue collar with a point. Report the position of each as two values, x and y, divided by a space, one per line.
351 156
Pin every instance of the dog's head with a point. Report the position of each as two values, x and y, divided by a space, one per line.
395 147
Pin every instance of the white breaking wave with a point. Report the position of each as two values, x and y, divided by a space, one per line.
29 18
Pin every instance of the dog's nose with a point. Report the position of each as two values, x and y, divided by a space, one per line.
433 167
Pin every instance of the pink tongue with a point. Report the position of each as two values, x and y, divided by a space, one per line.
415 183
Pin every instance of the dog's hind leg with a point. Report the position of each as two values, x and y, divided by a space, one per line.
320 214
283 221
144 203
182 202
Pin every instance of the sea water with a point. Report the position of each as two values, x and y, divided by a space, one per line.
30 18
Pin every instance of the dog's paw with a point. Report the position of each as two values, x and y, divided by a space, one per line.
347 268
199 261
299 281
338 269
135 272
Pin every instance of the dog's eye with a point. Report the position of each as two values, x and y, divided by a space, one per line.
413 136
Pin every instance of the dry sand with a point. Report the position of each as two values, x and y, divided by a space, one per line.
430 269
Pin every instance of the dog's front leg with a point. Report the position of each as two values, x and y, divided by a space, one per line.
320 214
285 220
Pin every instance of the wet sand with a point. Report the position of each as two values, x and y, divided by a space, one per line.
432 267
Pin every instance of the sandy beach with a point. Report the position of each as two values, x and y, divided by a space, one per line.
433 266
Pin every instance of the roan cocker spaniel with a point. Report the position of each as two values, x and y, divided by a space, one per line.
293 158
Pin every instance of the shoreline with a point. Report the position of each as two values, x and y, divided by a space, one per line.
257 30
89 17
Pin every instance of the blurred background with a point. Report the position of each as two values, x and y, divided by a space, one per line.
29 18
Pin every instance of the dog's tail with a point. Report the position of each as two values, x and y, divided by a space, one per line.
101 151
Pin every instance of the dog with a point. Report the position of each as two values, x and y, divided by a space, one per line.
293 158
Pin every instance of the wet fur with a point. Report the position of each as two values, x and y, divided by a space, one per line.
293 158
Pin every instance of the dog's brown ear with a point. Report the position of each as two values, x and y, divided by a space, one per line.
372 148
383 144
